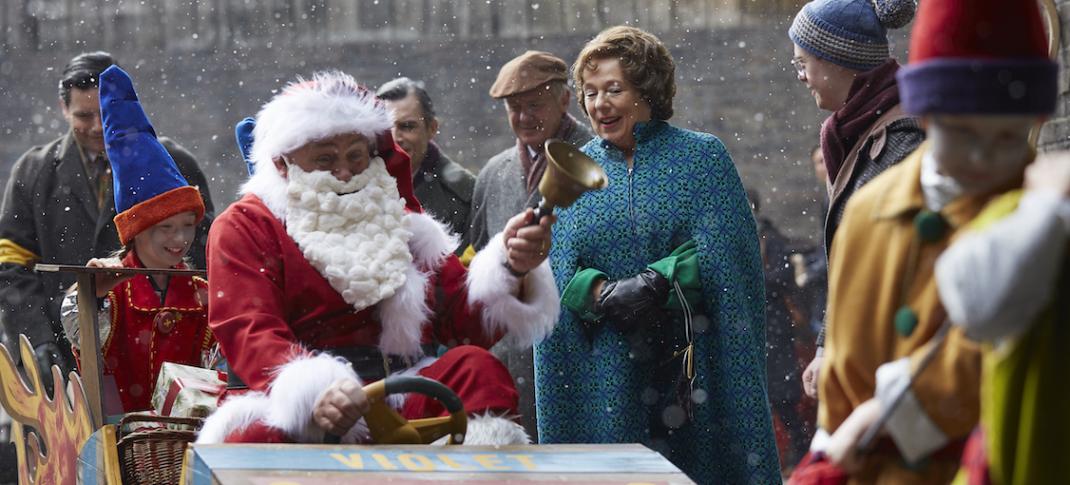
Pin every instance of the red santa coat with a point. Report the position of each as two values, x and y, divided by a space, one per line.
145 333
270 308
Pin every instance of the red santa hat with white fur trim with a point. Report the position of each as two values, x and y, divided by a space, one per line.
329 104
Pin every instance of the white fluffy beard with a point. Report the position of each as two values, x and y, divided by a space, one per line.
356 240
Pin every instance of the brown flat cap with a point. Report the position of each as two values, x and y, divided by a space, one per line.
528 71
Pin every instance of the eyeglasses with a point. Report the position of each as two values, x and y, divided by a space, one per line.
799 65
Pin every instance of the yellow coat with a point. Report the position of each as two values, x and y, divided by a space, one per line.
872 275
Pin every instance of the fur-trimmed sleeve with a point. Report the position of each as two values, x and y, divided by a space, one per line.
287 406
478 306
526 318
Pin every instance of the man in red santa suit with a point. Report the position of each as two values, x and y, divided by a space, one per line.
326 276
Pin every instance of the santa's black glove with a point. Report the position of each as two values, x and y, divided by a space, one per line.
625 304
49 354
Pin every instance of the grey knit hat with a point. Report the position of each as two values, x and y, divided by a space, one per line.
850 33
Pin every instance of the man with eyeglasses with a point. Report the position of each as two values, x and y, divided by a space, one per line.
443 187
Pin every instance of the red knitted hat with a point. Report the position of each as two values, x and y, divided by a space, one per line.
979 57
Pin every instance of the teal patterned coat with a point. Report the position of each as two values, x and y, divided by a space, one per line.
615 388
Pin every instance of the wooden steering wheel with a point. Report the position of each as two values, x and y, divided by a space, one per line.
389 427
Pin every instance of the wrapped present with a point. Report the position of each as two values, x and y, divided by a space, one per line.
187 391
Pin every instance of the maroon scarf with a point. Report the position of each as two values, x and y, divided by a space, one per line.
534 167
872 94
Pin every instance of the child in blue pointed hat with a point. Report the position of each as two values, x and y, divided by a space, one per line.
148 186
145 321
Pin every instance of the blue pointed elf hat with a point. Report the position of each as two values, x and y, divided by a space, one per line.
148 187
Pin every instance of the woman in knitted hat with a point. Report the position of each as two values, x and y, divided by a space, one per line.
145 320
842 55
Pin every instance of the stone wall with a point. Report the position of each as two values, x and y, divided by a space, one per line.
170 24
733 72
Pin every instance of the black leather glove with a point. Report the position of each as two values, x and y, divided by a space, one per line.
626 303
49 354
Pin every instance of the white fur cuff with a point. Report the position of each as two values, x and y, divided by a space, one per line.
295 391
288 405
914 432
235 413
527 318
490 430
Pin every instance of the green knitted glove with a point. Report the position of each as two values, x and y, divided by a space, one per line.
681 266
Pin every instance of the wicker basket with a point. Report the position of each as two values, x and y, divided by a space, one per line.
154 456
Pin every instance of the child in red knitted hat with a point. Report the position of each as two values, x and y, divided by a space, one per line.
145 320
980 79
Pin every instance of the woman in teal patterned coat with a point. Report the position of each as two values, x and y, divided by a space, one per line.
617 368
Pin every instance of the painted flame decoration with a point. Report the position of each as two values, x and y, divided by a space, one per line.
63 426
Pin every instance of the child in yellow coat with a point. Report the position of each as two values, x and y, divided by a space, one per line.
979 92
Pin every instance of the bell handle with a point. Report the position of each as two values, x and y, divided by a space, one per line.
543 209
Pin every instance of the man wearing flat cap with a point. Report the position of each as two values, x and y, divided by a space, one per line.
533 87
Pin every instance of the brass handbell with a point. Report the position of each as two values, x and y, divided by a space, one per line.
568 175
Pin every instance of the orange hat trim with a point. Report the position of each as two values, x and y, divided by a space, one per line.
146 214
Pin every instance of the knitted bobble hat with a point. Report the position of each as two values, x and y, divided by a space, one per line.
850 33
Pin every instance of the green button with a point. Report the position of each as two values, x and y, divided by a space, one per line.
930 225
905 321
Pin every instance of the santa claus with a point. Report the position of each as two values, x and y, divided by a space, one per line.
326 275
